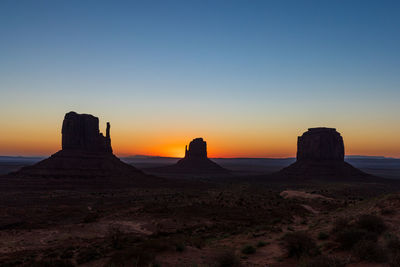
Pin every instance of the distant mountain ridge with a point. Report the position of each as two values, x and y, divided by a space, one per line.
5 157
21 158
379 165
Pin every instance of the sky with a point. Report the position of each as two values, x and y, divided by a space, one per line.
247 76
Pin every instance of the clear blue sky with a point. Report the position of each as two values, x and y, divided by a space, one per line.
241 71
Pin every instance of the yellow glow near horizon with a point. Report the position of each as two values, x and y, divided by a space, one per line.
41 135
45 141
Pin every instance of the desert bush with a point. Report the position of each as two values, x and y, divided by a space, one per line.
261 244
351 236
141 253
323 236
340 224
87 255
322 261
134 256
300 244
91 217
52 263
67 253
394 260
366 227
227 258
248 249
116 237
371 223
197 241
369 251
393 244
180 247
157 245
388 211
393 248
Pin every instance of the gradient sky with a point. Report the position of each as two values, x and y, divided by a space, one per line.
248 76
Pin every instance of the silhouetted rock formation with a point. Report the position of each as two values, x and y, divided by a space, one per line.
197 149
85 152
320 154
195 161
81 131
320 144
196 158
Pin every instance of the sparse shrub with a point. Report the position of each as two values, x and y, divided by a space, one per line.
261 244
366 227
67 253
198 242
371 223
369 251
387 211
340 224
227 258
52 263
329 245
322 261
351 236
248 249
395 260
141 253
115 236
393 248
180 247
91 217
87 255
393 244
157 245
300 244
276 220
323 236
134 256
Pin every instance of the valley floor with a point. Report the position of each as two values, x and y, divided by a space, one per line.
201 223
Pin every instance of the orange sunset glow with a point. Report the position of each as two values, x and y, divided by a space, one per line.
263 143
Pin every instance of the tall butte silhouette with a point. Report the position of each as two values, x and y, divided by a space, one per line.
85 152
320 154
194 162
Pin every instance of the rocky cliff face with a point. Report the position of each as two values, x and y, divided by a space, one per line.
81 132
194 163
320 144
197 149
320 156
85 152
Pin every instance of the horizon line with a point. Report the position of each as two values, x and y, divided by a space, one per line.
157 156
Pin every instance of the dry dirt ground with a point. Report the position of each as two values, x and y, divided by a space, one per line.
195 224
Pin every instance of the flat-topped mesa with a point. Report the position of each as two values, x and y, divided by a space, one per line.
320 144
81 132
197 149
320 156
